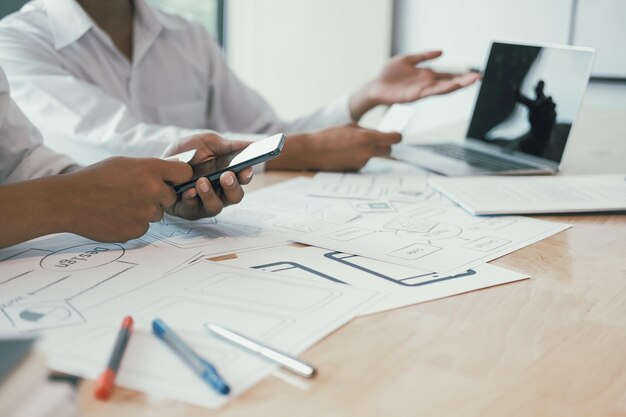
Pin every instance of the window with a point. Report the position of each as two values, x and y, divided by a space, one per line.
208 12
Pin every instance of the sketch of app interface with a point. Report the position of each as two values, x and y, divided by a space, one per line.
409 277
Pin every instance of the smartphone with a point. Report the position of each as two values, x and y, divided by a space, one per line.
255 153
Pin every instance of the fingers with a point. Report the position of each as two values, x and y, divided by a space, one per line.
233 193
174 172
382 151
448 86
244 177
211 202
424 56
376 138
168 196
539 90
204 201
156 215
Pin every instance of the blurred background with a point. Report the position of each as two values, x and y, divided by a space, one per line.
301 54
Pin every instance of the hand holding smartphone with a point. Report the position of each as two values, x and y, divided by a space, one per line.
253 154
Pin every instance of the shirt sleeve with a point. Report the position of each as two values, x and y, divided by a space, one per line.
22 153
74 113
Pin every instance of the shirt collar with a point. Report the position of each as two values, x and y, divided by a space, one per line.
69 22
155 19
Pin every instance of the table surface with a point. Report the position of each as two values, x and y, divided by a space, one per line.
552 345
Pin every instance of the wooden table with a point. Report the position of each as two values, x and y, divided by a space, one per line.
554 345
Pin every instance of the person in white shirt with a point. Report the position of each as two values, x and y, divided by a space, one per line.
112 201
119 77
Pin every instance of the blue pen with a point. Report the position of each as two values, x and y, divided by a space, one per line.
199 365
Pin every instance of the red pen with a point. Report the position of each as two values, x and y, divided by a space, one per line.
104 388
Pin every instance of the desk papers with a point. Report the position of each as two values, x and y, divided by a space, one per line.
76 292
397 286
428 232
290 314
525 195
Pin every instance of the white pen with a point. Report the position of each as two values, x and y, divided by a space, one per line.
295 365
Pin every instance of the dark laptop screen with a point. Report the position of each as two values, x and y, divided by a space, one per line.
529 98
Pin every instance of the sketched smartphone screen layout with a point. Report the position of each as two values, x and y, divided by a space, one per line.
253 154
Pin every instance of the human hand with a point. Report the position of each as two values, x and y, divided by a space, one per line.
343 148
541 111
203 200
116 199
401 81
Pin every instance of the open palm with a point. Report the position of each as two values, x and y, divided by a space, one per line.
401 81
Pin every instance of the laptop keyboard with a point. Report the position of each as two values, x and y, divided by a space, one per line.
475 158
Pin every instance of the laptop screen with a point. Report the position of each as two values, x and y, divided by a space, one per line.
529 98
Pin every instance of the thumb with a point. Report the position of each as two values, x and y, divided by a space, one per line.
174 172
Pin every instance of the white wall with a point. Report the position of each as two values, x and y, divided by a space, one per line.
602 25
301 54
465 29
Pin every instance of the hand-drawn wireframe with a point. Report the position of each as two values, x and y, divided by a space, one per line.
397 285
296 269
447 240
286 312
286 208
49 282
410 187
213 236
418 279
374 206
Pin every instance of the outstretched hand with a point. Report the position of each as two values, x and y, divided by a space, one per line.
203 200
541 111
402 81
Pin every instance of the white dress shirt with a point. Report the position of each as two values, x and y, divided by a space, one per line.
91 102
22 153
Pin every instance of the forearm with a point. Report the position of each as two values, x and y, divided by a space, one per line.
294 156
34 208
362 101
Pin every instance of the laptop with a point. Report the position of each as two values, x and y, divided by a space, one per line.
529 97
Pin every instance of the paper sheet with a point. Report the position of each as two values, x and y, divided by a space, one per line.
434 237
51 282
285 208
395 187
398 286
288 208
211 236
396 118
288 313
387 166
519 195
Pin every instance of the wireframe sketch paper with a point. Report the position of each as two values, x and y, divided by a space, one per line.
51 282
289 209
211 236
288 313
433 237
286 208
386 166
394 187
398 285
525 195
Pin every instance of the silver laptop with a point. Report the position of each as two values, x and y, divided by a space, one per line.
528 100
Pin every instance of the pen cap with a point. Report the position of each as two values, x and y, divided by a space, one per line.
212 377
159 327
